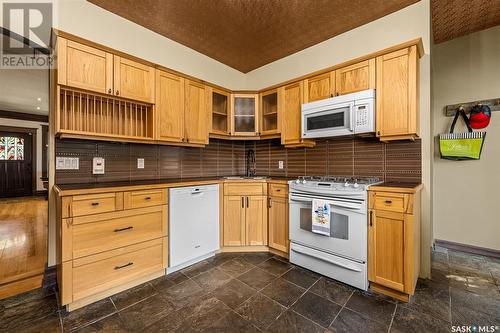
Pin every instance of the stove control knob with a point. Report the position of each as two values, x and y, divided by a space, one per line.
304 181
297 181
346 184
355 185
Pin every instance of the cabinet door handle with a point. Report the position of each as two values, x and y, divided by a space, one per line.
371 218
123 266
242 202
123 229
110 91
270 204
117 93
95 204
147 198
247 202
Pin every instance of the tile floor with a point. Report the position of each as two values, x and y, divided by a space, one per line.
259 292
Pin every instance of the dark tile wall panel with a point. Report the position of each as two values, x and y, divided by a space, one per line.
343 157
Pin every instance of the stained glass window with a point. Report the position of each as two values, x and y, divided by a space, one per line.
11 148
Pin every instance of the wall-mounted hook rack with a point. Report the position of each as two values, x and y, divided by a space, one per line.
494 105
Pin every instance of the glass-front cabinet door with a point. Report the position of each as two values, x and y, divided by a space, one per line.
245 114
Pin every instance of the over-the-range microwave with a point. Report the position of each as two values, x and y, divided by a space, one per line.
341 115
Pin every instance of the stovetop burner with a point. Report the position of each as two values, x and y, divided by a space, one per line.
339 180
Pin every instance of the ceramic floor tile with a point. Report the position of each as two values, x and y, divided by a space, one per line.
235 267
234 293
333 290
183 293
406 320
111 324
145 313
318 309
349 321
202 320
23 313
257 278
292 322
467 308
275 266
260 310
212 279
256 258
132 296
198 268
87 315
301 277
372 306
431 298
232 323
168 281
283 292
50 324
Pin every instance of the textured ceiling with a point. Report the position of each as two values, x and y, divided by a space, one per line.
247 34
455 18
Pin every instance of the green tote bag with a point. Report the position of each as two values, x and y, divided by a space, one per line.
461 146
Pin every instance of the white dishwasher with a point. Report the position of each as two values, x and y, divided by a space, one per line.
193 223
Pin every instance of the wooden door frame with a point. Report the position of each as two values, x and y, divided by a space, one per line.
33 132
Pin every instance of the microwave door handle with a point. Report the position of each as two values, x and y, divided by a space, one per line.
328 260
352 116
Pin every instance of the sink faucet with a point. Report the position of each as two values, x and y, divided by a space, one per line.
250 163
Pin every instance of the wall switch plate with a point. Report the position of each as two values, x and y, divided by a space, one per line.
280 164
98 166
67 163
140 163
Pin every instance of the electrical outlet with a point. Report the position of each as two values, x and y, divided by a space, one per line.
98 166
140 163
67 163
280 164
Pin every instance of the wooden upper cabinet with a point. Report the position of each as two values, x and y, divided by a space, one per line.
397 95
245 114
319 87
84 67
356 77
196 118
218 104
133 80
269 112
169 107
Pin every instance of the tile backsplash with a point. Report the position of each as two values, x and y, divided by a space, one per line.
350 157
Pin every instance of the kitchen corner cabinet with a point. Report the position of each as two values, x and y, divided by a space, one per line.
245 114
397 111
181 110
278 217
89 68
245 214
218 104
290 102
394 242
319 87
269 116
355 77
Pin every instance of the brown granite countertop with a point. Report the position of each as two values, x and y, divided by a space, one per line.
72 189
397 187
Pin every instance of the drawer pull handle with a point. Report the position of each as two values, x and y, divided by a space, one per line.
147 198
388 202
95 204
124 229
123 266
278 190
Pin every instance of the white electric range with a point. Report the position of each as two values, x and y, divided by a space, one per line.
342 255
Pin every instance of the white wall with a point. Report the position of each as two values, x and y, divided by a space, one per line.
82 18
31 124
466 192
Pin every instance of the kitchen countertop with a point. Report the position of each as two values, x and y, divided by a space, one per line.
397 187
72 189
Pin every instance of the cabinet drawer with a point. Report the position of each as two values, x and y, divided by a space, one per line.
278 190
390 201
103 232
96 203
94 274
244 189
145 198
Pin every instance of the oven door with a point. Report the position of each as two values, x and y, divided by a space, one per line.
327 121
348 227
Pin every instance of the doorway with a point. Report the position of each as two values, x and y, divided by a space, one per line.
17 154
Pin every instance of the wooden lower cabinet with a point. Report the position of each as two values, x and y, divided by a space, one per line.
245 220
394 243
278 224
105 246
